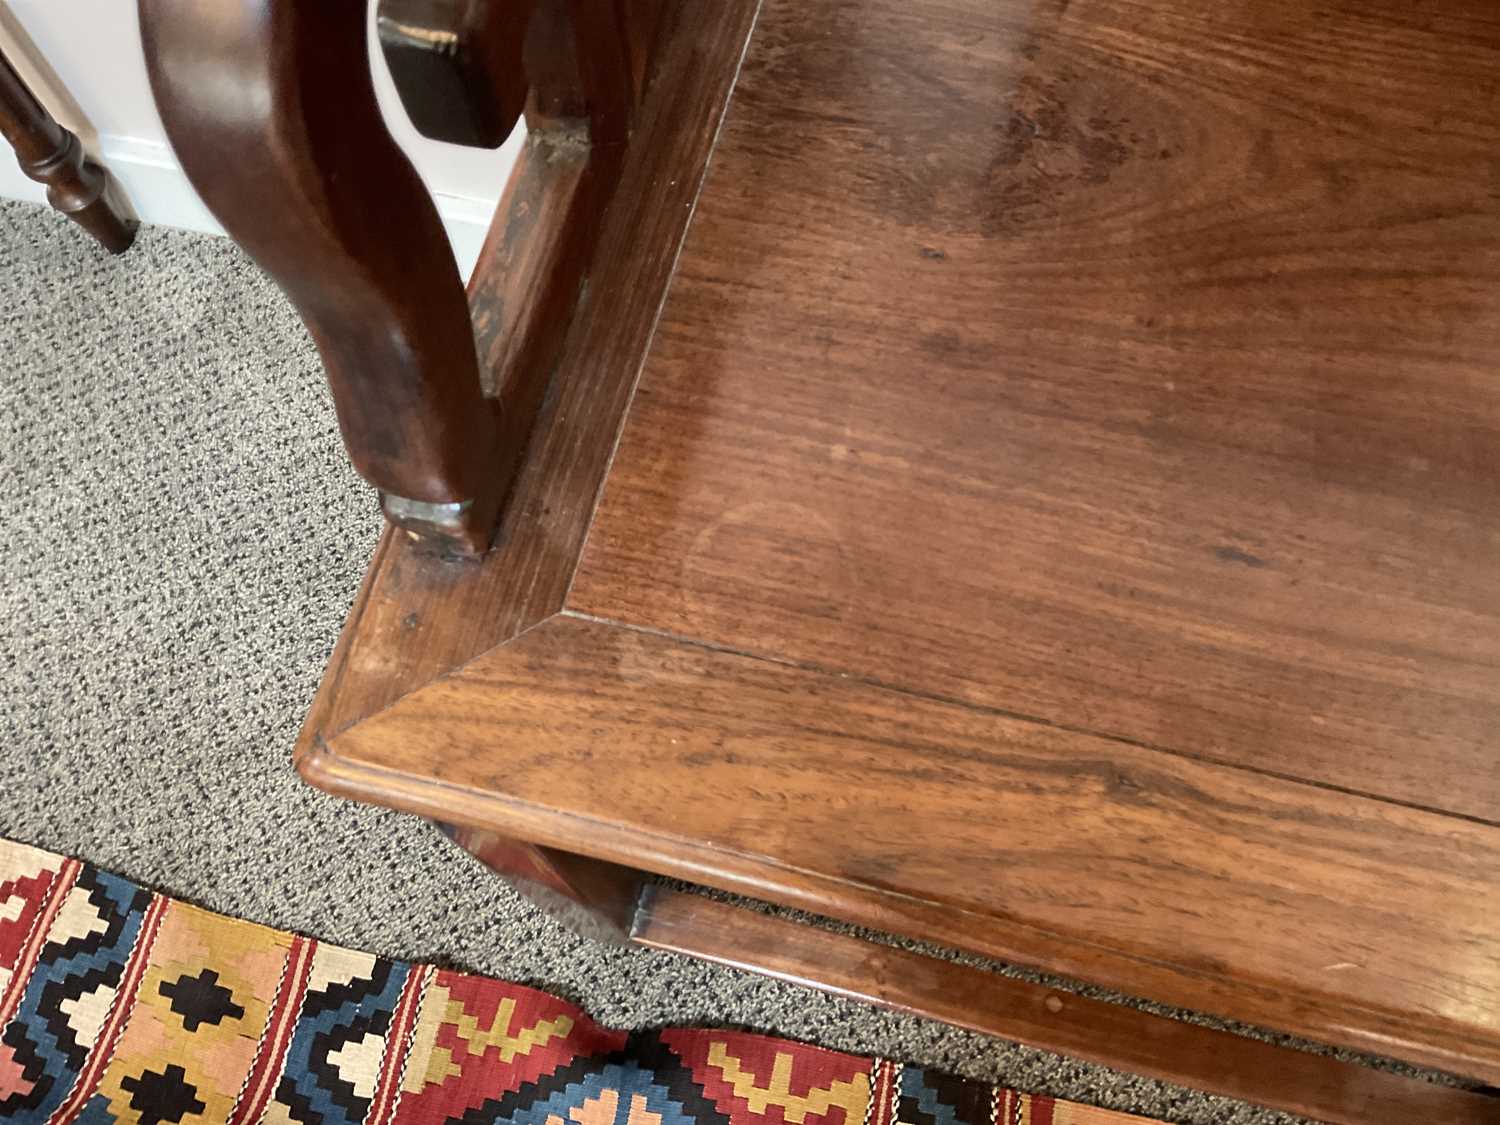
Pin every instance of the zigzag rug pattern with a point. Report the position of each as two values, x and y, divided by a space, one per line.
118 1005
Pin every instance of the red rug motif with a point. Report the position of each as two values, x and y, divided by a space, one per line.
118 1005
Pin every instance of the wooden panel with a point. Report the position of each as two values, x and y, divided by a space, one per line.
1128 365
1088 411
1338 917
1318 1086
416 617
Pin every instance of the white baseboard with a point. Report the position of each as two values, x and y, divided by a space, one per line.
159 192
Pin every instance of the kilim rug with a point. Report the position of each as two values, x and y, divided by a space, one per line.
120 1005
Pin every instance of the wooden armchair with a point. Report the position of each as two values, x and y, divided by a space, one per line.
1047 509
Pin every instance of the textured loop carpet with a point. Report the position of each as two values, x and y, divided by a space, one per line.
118 1005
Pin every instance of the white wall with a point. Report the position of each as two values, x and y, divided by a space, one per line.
83 59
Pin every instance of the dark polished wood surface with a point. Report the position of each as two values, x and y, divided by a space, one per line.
1342 918
1057 516
458 65
1317 1086
1129 366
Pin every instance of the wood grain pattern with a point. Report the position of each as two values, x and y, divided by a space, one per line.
417 620
1126 365
1345 919
533 273
526 285
643 21
1056 519
355 241
1317 1086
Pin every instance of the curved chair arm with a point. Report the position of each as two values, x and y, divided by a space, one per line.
271 108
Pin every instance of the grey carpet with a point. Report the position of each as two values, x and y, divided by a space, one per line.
183 540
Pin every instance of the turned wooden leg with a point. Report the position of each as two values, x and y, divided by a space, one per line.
271 108
597 899
51 155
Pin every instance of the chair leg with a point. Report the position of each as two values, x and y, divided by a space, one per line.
51 155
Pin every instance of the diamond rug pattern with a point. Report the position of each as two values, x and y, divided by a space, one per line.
120 1006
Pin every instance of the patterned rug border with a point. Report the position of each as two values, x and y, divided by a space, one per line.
122 1005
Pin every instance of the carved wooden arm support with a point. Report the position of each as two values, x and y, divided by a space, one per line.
271 107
